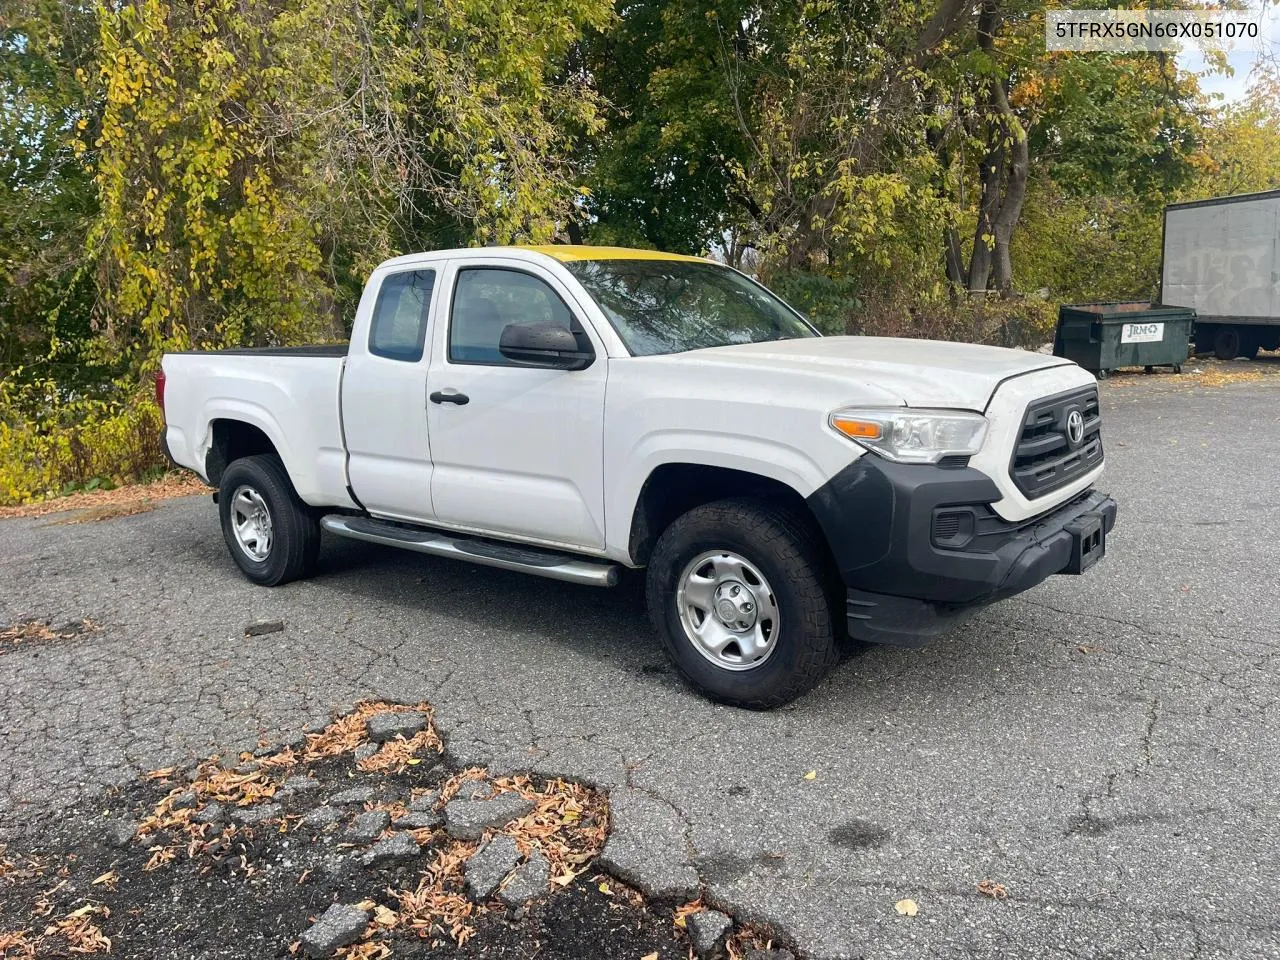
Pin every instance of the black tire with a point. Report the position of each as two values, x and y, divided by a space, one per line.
1177 368
1226 343
790 555
294 545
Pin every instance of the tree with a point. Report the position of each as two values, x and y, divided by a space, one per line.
46 195
253 161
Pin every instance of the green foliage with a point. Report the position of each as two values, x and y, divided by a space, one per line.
234 171
50 444
46 196
241 147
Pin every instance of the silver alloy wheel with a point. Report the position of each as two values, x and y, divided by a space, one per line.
728 610
251 523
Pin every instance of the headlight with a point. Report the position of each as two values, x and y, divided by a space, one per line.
913 436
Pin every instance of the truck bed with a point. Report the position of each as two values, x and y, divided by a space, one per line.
310 350
290 394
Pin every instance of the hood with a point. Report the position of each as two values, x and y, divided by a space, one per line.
919 373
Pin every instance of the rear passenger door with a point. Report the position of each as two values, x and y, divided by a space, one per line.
384 398
516 451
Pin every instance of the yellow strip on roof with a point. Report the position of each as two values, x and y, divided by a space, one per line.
569 252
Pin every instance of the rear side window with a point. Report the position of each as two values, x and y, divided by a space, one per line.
486 299
399 327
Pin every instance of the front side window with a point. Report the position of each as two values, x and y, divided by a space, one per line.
486 300
669 306
399 327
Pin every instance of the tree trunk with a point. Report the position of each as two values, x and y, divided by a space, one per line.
955 256
1003 177
990 177
1015 191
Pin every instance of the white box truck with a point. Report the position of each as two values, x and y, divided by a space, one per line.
1222 258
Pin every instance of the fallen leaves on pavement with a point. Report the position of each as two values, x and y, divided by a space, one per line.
568 823
80 932
176 484
996 891
35 630
76 932
16 945
907 907
108 511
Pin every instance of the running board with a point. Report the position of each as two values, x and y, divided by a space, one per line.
535 560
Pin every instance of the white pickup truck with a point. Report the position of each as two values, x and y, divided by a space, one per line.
568 411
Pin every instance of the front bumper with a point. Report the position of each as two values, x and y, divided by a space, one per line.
920 549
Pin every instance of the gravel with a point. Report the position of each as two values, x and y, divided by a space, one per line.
367 826
489 865
297 785
211 812
469 819
318 818
353 796
339 926
388 725
257 814
396 848
707 931
419 820
118 833
529 880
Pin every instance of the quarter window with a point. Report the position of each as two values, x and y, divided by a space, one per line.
486 300
400 315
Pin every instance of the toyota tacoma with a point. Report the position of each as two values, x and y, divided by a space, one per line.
570 411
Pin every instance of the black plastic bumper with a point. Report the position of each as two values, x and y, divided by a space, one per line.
920 549
164 446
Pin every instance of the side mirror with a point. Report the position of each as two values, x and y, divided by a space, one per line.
545 345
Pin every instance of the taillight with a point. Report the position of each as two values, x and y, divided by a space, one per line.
160 390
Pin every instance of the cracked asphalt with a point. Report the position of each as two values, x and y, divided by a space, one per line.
1106 746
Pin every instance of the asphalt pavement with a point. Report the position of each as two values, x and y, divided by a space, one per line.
1104 748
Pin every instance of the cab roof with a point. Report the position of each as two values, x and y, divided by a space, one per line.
562 252
571 252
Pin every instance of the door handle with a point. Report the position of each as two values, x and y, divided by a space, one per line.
450 396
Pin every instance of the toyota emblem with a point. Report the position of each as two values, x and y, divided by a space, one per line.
1075 427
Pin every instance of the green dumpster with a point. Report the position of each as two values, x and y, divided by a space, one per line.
1103 336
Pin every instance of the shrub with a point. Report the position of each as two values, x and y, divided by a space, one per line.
50 443
1004 323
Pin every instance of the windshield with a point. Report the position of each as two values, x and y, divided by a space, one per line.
668 306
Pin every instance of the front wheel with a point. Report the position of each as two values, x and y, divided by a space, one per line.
273 536
740 595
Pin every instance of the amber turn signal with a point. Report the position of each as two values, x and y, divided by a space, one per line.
858 429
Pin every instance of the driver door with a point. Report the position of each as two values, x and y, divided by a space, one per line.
516 451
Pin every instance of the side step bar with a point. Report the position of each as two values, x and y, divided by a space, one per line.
535 560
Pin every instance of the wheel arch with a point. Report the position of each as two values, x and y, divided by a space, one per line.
231 439
672 489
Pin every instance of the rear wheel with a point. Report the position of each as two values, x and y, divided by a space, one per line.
739 593
1227 343
273 536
